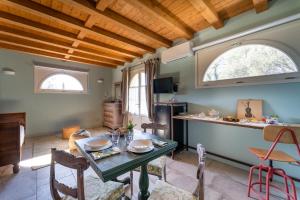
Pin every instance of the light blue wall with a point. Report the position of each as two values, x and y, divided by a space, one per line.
281 99
233 142
49 113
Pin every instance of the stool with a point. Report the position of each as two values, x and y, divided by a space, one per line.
68 131
276 134
76 136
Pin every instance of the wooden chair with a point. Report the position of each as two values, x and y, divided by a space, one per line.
276 134
165 191
154 127
156 167
90 187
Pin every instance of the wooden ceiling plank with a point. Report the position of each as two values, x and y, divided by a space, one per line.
53 49
103 4
46 40
119 20
50 55
208 12
91 57
158 12
33 37
260 5
33 45
22 22
103 54
73 58
43 11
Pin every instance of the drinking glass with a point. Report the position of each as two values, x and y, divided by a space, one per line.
129 137
115 137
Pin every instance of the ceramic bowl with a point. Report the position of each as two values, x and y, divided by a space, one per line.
97 143
141 144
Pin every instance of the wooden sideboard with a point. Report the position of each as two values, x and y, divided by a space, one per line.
113 117
12 133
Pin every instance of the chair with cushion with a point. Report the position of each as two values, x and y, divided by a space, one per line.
166 191
90 187
156 167
276 134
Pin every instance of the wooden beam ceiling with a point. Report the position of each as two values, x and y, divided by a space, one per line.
82 33
208 12
260 5
48 41
50 55
118 20
43 11
25 23
156 10
109 32
53 49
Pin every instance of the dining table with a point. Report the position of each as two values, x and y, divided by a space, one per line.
111 167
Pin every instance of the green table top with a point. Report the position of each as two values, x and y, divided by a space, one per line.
116 165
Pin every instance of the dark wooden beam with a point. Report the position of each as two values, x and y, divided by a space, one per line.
31 25
120 21
208 12
103 4
260 5
53 49
51 55
45 12
57 43
154 9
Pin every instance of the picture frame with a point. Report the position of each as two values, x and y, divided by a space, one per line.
250 108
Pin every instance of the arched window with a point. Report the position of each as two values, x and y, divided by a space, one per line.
137 95
249 61
61 82
247 64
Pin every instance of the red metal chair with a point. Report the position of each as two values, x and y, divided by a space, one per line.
276 134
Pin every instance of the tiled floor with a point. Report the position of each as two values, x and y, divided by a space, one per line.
221 181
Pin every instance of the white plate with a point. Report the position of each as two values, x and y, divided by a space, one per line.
88 148
97 143
141 144
130 148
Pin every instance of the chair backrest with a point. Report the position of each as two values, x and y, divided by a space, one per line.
282 134
70 161
199 192
271 133
154 127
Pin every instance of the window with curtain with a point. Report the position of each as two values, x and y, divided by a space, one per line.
137 94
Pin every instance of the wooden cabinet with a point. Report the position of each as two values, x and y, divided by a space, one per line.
112 115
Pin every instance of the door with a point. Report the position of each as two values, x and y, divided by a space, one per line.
137 105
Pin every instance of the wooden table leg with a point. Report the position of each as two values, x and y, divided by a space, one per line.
144 184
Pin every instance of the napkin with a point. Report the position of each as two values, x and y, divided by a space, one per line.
105 153
159 142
